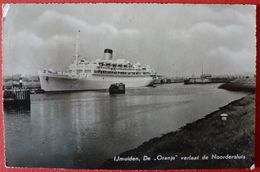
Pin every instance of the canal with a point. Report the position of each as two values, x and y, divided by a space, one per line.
83 129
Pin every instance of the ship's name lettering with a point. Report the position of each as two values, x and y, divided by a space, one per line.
165 158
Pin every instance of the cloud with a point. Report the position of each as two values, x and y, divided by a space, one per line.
164 36
67 24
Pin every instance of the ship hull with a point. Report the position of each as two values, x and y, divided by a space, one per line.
51 83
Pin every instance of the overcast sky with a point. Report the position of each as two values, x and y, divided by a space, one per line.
174 39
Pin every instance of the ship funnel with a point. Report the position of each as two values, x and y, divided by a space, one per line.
108 54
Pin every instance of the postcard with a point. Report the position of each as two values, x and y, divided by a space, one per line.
129 86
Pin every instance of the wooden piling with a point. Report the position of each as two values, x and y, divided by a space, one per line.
16 97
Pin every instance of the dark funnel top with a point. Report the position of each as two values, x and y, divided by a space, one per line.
108 51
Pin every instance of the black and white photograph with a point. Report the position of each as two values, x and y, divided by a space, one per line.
129 86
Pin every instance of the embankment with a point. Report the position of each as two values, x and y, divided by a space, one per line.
226 143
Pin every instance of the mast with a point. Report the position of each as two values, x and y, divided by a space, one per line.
202 69
77 51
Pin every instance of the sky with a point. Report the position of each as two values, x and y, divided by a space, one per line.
174 39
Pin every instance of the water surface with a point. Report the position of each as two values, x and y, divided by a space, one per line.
83 129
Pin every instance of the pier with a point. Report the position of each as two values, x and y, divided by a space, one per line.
17 97
203 79
240 84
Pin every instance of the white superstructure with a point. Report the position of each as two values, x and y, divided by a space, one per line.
97 74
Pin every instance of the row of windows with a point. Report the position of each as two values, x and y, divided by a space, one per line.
122 73
114 65
114 68
80 70
136 72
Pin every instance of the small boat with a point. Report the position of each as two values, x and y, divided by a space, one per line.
37 91
151 85
117 88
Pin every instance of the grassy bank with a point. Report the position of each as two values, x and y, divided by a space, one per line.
227 143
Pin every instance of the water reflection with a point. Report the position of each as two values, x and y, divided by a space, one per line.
18 109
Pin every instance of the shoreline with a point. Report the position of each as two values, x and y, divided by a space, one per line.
227 143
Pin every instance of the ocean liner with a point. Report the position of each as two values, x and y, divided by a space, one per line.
96 75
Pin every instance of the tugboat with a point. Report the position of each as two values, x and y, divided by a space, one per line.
117 88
